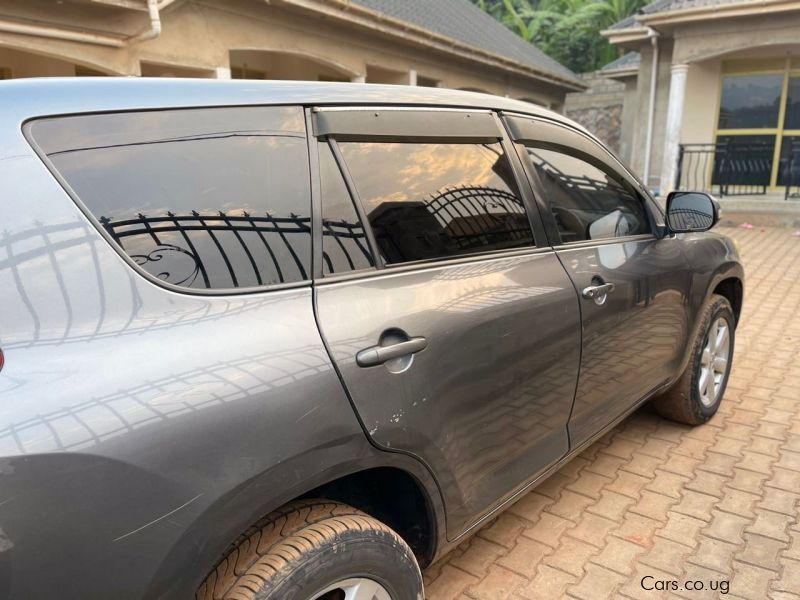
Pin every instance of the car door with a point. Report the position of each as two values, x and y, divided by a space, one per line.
456 336
633 285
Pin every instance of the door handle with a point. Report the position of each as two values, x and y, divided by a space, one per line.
377 355
598 292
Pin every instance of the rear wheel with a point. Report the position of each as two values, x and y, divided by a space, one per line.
316 550
696 396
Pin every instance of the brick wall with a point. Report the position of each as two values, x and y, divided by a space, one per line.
599 108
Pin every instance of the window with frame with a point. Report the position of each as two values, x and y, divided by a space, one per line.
588 200
429 201
213 198
344 241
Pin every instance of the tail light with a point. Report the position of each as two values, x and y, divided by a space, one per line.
2 360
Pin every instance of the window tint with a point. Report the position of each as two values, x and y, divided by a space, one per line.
588 200
344 244
427 201
203 198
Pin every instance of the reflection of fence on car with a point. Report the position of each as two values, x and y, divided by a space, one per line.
472 214
162 230
349 237
53 247
727 168
689 218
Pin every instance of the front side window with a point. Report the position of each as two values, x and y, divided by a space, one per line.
588 200
437 200
212 198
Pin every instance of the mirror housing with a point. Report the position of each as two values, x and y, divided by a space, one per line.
689 212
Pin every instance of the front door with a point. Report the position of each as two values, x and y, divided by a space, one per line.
632 285
461 346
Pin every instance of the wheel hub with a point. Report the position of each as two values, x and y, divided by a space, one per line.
714 362
357 588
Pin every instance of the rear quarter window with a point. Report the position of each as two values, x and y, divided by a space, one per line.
207 199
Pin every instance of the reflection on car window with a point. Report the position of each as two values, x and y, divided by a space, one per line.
344 243
203 198
427 201
588 201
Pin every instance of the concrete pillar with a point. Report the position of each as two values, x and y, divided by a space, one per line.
677 94
222 72
358 79
412 77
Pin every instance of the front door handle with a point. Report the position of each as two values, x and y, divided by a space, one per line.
598 292
377 355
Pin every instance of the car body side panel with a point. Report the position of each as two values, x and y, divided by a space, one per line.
711 258
128 412
632 343
486 404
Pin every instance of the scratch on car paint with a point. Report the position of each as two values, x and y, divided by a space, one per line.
307 413
164 516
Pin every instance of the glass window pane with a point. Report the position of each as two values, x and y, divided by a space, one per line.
428 201
344 244
588 200
789 168
792 120
743 160
204 198
750 101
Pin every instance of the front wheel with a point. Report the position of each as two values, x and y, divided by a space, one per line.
696 396
316 550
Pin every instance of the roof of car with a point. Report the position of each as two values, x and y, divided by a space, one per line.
27 98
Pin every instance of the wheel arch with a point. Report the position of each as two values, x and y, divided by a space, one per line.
211 534
731 288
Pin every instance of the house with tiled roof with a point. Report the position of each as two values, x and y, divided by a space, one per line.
447 43
715 100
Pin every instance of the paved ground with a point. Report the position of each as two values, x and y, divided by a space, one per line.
717 503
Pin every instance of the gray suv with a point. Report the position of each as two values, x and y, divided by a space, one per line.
297 340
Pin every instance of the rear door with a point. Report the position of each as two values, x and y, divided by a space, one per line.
633 285
456 335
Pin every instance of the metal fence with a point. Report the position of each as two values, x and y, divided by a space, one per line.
727 168
206 238
472 215
789 170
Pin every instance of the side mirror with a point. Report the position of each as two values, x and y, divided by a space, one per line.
691 211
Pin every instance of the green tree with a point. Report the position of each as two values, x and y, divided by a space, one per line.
567 30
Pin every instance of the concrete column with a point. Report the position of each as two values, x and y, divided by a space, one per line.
677 94
358 79
412 77
222 72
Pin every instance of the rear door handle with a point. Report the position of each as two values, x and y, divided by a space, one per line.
598 292
377 355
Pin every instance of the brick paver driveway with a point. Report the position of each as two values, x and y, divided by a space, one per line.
653 498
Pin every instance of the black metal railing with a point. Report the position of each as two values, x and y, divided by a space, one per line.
178 248
349 238
789 168
689 218
472 214
726 168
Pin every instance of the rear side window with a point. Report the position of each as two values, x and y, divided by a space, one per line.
437 200
344 242
588 199
213 198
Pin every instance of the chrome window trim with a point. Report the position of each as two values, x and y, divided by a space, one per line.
425 265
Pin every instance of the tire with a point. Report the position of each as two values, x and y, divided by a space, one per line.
304 548
684 402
